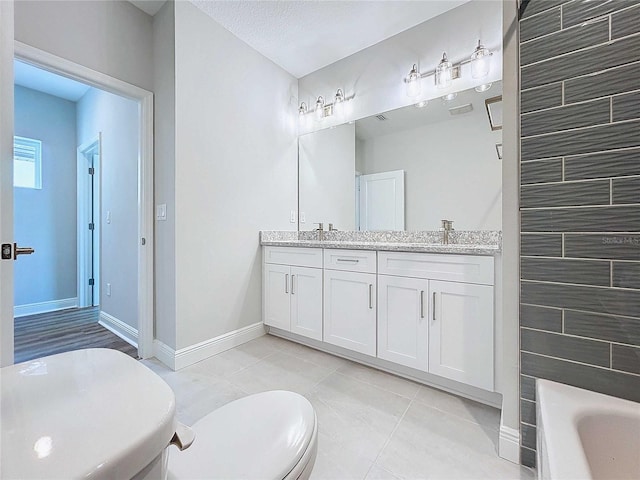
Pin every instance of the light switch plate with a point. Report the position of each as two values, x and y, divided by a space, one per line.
161 212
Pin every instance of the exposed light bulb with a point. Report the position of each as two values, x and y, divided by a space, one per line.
319 112
444 72
422 104
338 103
480 61
413 82
449 97
483 88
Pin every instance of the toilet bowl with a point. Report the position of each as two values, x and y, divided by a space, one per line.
270 435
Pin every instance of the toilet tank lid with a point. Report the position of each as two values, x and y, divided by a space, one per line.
94 413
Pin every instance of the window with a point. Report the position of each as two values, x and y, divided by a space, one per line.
27 162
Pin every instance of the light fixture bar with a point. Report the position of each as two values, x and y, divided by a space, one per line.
455 70
328 108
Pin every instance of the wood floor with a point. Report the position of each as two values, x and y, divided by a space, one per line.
62 331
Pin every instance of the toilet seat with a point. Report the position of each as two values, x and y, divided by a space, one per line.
270 435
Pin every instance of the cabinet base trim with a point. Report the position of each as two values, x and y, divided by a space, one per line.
488 398
183 357
509 444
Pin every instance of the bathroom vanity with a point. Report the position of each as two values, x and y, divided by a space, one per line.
417 309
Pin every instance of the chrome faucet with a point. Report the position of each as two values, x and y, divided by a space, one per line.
447 227
320 231
331 229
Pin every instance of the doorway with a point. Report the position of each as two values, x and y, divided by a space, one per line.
142 227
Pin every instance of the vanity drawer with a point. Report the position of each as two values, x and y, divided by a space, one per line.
350 260
295 256
455 268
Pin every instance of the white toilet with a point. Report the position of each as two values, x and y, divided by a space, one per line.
270 435
100 414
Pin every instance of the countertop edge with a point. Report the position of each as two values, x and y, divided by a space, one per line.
492 250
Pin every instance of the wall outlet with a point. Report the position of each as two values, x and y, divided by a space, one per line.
292 216
108 289
303 217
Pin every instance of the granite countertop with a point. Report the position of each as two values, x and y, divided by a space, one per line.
469 243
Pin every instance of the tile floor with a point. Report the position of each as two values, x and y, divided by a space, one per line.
372 425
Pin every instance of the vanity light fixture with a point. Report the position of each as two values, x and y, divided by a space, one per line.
323 110
444 72
413 82
319 111
480 61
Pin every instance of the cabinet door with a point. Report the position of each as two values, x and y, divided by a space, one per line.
350 310
306 302
275 296
403 320
461 332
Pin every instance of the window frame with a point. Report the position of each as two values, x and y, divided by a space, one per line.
36 145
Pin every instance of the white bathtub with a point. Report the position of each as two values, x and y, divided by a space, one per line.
585 435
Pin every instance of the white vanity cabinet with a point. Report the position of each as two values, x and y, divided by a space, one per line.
455 341
350 300
461 332
292 290
431 312
403 320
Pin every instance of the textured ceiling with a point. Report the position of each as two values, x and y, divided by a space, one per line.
304 36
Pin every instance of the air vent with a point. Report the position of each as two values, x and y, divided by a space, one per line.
382 118
461 109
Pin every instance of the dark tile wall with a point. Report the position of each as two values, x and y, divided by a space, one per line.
579 200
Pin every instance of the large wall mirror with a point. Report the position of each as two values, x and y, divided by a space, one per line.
408 168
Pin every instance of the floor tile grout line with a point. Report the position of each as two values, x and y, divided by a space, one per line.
386 443
378 386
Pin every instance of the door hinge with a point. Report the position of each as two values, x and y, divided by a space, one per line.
92 170
91 282
91 226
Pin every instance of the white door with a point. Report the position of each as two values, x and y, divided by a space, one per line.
306 302
276 296
461 332
403 323
6 182
350 310
382 201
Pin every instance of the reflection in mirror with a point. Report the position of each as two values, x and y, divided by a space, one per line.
406 169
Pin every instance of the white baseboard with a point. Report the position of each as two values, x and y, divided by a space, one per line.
183 357
165 354
509 444
44 307
199 351
121 329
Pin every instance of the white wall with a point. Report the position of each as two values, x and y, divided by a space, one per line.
165 176
509 307
236 158
118 120
45 218
327 177
451 171
375 75
112 37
